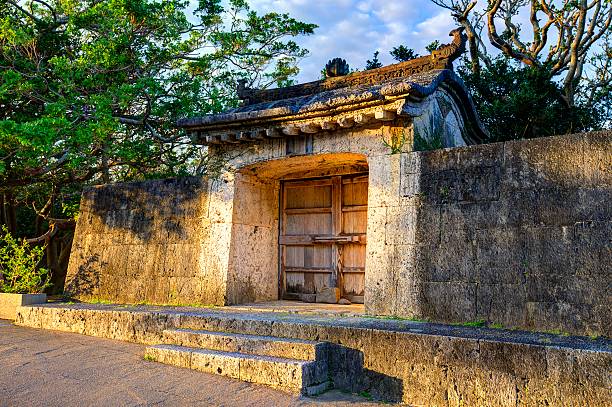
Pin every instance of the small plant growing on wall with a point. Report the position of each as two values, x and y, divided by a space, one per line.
19 273
396 141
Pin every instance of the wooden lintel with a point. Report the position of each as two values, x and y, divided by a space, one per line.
229 138
291 130
328 125
244 136
211 139
346 122
273 133
258 135
384 115
363 118
309 128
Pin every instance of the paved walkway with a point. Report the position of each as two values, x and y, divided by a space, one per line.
47 368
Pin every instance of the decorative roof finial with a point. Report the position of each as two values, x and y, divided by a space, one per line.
453 50
336 67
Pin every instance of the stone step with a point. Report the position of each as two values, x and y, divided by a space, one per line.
295 376
287 348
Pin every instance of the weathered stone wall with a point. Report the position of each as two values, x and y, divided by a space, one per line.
516 233
245 200
145 242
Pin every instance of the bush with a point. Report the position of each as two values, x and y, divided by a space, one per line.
517 102
19 271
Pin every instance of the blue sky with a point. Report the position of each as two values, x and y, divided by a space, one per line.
354 29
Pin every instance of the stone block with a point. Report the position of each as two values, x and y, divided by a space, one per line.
248 344
502 303
449 301
384 181
500 249
540 163
170 355
255 202
329 295
10 302
216 363
368 140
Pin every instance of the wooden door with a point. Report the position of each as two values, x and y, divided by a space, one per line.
323 236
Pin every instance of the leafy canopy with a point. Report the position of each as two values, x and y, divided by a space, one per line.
90 90
516 102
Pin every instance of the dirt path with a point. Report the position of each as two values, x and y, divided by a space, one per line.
47 368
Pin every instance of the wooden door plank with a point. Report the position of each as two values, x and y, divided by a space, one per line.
307 211
308 270
336 229
354 222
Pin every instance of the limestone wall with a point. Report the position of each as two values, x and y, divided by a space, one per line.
516 233
145 242
401 361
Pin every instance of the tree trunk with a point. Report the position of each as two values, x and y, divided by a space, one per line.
10 214
59 278
2 212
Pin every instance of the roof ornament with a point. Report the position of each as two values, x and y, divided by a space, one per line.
453 50
336 67
441 58
245 94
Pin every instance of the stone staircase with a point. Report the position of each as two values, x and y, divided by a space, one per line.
293 365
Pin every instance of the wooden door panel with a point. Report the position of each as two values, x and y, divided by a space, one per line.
306 283
355 191
309 224
353 286
354 222
311 257
322 238
309 196
353 255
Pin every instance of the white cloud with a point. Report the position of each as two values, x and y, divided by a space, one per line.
354 29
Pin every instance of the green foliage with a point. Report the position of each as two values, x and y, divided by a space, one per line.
427 143
374 62
366 395
90 90
517 102
473 324
396 142
429 137
402 53
434 45
18 266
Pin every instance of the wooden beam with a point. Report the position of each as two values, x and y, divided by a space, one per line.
328 125
212 139
363 118
273 133
229 138
258 135
309 128
346 122
244 136
291 130
384 115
